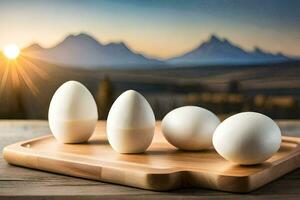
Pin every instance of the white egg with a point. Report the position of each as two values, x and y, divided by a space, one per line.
190 127
72 113
247 138
130 123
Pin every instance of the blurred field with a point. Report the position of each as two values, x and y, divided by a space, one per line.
272 89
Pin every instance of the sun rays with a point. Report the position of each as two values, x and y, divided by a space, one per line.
18 71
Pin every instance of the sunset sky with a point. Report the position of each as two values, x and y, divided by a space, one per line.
156 28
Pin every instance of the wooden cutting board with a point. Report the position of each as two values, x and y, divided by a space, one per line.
161 168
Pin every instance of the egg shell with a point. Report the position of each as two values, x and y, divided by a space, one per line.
190 127
130 123
72 113
247 138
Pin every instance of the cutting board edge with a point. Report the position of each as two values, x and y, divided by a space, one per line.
18 154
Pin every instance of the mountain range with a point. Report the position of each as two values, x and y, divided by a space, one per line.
84 51
222 51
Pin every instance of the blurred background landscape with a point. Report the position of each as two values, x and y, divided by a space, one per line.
226 56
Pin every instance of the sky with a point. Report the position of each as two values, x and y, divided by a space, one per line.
160 29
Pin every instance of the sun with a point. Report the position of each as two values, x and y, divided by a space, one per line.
11 51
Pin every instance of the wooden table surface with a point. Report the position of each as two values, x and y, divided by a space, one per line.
22 183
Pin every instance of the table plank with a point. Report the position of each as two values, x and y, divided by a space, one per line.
22 183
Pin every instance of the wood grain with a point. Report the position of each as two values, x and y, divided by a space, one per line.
161 168
24 183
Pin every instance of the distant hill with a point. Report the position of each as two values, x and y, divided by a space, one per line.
221 51
84 51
